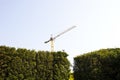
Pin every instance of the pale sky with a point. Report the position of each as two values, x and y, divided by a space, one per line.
28 23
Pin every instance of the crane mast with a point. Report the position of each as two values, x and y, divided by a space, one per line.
51 40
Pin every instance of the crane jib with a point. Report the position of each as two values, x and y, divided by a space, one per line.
64 32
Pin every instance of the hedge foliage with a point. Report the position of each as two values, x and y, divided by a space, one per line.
103 64
23 64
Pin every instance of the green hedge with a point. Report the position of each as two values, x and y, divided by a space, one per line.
98 65
23 64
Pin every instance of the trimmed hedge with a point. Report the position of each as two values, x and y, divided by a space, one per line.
23 64
103 64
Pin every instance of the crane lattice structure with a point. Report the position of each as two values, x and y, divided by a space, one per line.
51 40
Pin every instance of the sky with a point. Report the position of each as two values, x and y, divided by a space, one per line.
29 23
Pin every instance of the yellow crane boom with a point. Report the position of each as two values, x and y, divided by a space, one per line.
53 38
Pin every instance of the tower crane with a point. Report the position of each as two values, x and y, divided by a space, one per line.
51 40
